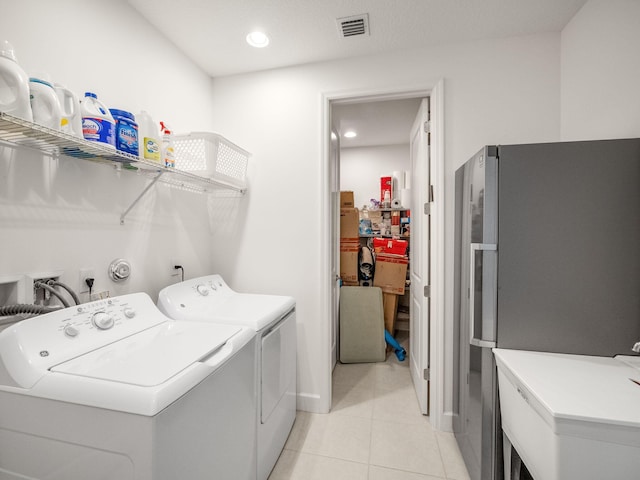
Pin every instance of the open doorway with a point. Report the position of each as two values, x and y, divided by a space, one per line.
356 153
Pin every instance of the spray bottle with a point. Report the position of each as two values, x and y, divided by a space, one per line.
168 150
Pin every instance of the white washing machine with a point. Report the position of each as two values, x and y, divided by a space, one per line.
114 389
210 299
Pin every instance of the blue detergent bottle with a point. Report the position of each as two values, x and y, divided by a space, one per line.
97 123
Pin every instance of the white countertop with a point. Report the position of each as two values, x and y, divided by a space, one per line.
576 388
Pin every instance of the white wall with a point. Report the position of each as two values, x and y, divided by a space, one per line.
499 91
601 71
64 214
361 169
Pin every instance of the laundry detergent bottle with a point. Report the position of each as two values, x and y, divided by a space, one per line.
148 138
14 85
45 104
71 120
97 123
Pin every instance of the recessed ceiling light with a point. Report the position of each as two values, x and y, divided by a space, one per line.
257 39
350 134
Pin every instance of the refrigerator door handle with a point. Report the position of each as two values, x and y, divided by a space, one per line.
475 247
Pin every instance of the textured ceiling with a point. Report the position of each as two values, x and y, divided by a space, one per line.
212 32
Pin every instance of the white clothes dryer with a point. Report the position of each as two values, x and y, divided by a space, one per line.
210 299
114 389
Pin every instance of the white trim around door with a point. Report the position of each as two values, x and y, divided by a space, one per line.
439 418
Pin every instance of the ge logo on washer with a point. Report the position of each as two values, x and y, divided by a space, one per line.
44 353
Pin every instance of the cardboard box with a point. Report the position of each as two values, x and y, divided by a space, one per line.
390 308
346 200
376 220
391 273
349 224
349 262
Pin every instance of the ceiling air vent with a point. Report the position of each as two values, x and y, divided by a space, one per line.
354 26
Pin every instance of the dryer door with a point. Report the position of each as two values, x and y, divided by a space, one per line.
278 365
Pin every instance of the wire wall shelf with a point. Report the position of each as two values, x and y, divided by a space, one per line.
17 131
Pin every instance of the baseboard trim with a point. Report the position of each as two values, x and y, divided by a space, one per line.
307 402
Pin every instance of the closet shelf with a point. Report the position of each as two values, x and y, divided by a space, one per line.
23 133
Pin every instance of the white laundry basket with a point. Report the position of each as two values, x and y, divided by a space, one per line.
213 156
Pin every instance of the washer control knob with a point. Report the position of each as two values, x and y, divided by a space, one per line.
202 290
129 312
102 320
71 331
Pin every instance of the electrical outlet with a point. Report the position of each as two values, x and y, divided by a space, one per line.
84 274
173 271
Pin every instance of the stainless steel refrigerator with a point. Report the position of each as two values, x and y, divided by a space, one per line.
547 258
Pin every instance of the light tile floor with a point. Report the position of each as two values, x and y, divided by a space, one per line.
375 431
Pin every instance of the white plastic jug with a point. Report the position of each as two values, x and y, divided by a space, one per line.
14 85
148 137
44 102
71 117
97 123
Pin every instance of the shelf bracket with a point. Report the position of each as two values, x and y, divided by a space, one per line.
147 188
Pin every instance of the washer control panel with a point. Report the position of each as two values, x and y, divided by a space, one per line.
112 313
47 340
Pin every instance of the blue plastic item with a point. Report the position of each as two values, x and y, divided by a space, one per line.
126 131
400 352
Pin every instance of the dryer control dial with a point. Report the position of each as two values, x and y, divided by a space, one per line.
102 320
129 312
202 290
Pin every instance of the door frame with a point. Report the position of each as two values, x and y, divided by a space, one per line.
440 419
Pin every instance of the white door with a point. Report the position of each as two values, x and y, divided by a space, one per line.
334 179
420 267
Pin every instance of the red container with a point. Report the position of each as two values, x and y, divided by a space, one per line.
390 246
386 186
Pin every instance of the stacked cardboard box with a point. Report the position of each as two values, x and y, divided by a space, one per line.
349 239
346 200
390 275
390 309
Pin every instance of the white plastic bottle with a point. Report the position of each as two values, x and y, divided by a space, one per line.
14 85
148 137
44 102
97 123
71 121
168 150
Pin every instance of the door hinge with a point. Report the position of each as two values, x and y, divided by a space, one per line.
427 291
427 127
431 193
426 374
427 208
